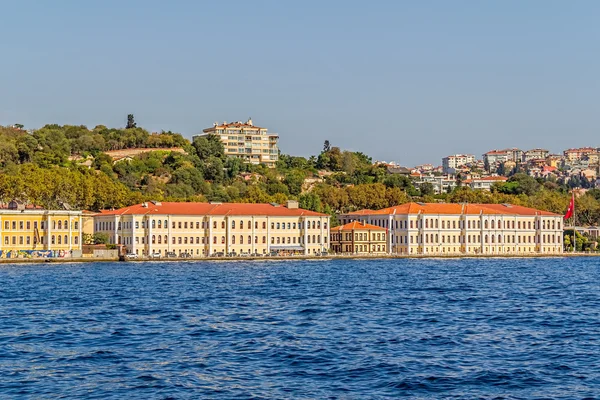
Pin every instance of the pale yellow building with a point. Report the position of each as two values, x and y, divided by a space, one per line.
215 229
486 229
35 232
246 141
359 238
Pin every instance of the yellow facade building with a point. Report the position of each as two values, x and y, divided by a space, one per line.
35 232
359 238
215 229
473 229
244 140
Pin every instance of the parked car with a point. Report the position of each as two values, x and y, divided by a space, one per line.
171 254
155 255
255 254
218 254
185 255
244 254
131 256
232 254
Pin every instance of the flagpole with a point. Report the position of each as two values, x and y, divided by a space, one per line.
574 225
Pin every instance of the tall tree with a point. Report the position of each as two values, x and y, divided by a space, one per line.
130 122
326 146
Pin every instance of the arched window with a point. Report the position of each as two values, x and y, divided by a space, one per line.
59 237
241 224
255 239
313 224
159 224
153 223
76 240
215 224
272 240
485 224
153 239
223 225
166 225
232 224
159 239
308 238
6 225
214 240
232 239
179 240
250 239
278 240
166 239
278 225
185 240
53 239
264 225
59 224
241 239
493 239
492 224
222 239
66 240
264 239
487 239
314 239
499 239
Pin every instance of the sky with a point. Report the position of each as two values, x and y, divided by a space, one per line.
404 81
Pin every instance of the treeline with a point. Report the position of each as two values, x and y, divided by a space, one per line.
35 168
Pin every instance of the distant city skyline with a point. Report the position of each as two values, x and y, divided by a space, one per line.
405 82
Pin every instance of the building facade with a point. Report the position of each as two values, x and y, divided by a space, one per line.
205 229
535 154
451 163
359 238
468 229
245 141
31 231
573 155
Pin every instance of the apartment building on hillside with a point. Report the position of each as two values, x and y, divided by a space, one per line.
246 141
486 229
451 163
204 229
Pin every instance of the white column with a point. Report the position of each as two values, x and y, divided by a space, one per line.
149 235
210 249
70 233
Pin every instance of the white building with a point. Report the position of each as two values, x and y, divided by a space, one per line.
450 163
470 229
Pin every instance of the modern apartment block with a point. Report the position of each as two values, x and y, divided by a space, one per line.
450 163
535 154
204 229
573 155
28 231
493 158
469 229
246 141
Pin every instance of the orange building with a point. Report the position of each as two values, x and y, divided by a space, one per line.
359 238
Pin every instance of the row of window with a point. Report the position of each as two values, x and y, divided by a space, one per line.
27 240
22 225
360 248
491 224
357 236
435 238
159 239
158 224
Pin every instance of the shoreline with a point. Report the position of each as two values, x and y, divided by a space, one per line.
329 257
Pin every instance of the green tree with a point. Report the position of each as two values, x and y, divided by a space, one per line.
130 122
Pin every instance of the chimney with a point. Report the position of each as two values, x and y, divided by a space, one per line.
292 204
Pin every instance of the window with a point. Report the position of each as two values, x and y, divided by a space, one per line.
179 240
232 224
185 240
20 239
28 224
6 225
241 239
153 239
6 240
197 225
242 225
264 240
66 240
215 239
222 239
76 240
232 239
153 224
14 239
174 240
185 225
159 239
179 224
76 225
264 225
59 237
66 224
215 224
223 225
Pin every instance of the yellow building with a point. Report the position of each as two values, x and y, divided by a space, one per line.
488 229
215 229
359 238
35 232
244 140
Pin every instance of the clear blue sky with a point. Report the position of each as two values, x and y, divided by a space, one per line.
398 80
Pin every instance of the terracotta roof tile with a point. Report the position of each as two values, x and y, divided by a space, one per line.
458 208
180 208
358 225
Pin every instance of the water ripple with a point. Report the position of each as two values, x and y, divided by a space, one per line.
343 329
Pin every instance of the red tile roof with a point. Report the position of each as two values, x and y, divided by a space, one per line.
354 225
459 208
180 208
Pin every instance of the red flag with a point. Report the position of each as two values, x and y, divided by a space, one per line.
569 213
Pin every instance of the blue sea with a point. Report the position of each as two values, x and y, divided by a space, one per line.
328 329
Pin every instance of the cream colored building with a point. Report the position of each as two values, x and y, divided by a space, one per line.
244 140
204 229
487 229
28 231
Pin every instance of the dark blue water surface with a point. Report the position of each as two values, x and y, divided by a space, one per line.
345 329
